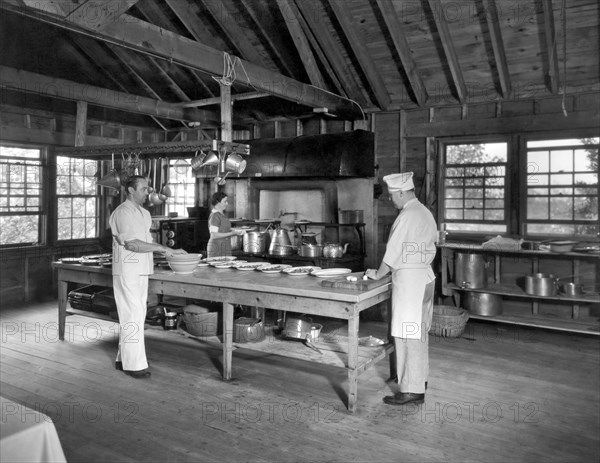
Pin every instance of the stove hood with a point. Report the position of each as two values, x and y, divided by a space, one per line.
347 154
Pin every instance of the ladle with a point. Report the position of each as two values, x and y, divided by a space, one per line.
163 197
221 180
154 197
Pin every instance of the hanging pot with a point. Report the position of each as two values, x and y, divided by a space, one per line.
111 180
235 163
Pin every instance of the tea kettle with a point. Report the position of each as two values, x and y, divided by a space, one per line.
334 250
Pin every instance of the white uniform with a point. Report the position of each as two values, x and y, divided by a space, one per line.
130 281
409 253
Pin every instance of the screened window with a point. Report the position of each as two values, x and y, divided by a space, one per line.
562 187
21 195
182 183
474 179
77 198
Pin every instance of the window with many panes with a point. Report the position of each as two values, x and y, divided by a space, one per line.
21 195
182 183
77 198
475 187
562 187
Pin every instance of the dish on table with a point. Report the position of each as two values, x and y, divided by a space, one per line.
203 264
330 272
70 260
226 263
97 256
300 271
218 259
249 265
94 261
275 268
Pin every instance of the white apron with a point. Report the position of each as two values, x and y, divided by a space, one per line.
408 290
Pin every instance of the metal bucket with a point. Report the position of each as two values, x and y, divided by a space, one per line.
484 304
470 270
255 242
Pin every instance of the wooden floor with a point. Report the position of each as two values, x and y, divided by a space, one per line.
498 394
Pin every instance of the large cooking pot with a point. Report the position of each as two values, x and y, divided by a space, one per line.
248 330
470 270
280 243
255 242
484 304
310 250
237 242
301 328
541 284
353 216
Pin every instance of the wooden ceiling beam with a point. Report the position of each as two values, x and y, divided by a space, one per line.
394 26
96 14
95 54
185 14
284 59
174 86
319 31
290 15
29 82
146 38
449 50
217 99
361 52
550 34
229 25
493 22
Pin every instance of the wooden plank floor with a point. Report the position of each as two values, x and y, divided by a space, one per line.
497 394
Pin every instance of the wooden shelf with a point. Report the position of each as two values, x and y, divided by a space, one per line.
574 326
516 291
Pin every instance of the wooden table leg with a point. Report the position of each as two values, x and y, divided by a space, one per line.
352 363
227 339
62 307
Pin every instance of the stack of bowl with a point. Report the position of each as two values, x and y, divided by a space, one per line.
184 263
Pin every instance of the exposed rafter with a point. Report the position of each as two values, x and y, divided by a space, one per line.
98 13
290 15
30 82
217 99
550 34
149 39
184 12
362 53
340 67
493 23
394 26
233 31
249 6
449 51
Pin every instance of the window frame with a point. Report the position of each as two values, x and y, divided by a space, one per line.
523 187
57 196
44 208
442 144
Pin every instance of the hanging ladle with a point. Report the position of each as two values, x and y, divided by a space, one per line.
221 180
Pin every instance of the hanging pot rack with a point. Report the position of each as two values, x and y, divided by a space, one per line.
146 150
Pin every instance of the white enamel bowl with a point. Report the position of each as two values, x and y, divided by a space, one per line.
180 265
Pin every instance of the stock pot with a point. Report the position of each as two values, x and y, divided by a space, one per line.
541 284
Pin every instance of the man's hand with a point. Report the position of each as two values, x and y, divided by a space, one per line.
371 274
172 252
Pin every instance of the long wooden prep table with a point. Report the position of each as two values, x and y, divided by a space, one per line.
274 291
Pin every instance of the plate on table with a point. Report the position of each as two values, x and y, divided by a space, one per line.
218 259
266 220
226 263
275 268
70 260
97 256
94 261
249 266
330 272
300 271
203 264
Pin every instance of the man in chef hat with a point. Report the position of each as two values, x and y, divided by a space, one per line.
409 252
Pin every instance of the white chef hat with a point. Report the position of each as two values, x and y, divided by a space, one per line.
398 182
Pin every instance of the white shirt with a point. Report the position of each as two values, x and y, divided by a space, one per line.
129 222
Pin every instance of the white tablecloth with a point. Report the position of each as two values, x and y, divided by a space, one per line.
27 435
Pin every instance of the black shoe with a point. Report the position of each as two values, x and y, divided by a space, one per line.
139 374
403 398
119 365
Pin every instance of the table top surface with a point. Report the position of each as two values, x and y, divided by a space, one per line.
275 283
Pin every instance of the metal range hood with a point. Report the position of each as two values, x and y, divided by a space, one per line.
347 154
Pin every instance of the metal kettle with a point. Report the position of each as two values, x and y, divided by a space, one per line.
280 243
334 250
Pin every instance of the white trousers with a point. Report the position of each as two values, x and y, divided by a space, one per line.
412 355
131 296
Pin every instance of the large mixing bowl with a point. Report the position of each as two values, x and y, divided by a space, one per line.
184 263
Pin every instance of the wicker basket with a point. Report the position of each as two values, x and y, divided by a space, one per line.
201 324
448 321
